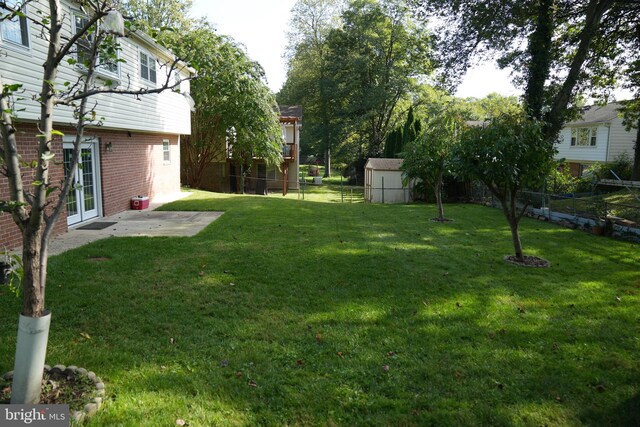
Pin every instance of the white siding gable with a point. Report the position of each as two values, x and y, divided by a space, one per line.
167 112
589 153
622 141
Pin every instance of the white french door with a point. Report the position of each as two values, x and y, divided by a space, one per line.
83 202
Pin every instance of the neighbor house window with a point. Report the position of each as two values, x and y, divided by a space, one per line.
166 150
15 30
147 67
584 137
104 63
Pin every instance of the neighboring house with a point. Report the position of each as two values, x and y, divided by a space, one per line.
137 149
598 136
383 182
223 175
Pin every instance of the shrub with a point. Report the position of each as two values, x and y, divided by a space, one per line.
560 181
621 165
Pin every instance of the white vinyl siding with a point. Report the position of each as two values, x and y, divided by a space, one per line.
167 112
622 141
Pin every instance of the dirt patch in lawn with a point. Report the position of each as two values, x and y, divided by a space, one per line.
529 261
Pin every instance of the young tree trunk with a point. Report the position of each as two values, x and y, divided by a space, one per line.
33 289
438 191
511 213
635 175
327 162
515 237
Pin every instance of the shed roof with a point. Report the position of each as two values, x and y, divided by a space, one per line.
291 111
384 164
597 114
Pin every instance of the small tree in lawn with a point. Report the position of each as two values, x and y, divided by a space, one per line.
508 155
428 157
36 206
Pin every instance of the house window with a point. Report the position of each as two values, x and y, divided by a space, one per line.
15 30
272 173
166 150
584 137
177 80
147 67
105 63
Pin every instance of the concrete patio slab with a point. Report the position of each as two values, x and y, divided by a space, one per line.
136 223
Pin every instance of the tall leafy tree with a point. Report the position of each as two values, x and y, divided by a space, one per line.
374 59
158 15
551 44
231 95
232 100
308 83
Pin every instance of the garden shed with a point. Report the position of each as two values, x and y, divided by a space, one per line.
383 182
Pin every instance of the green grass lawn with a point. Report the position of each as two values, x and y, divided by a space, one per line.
287 312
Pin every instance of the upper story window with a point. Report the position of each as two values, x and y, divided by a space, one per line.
107 61
147 67
584 137
15 30
177 79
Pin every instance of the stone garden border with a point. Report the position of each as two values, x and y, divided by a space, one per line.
95 403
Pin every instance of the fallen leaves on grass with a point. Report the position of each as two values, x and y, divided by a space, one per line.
385 368
252 383
85 335
181 422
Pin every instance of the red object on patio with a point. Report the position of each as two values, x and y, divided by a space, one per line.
139 203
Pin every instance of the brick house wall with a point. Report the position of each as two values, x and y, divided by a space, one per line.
135 165
10 235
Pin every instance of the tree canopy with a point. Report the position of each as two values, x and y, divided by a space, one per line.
231 95
557 48
508 154
232 101
369 64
